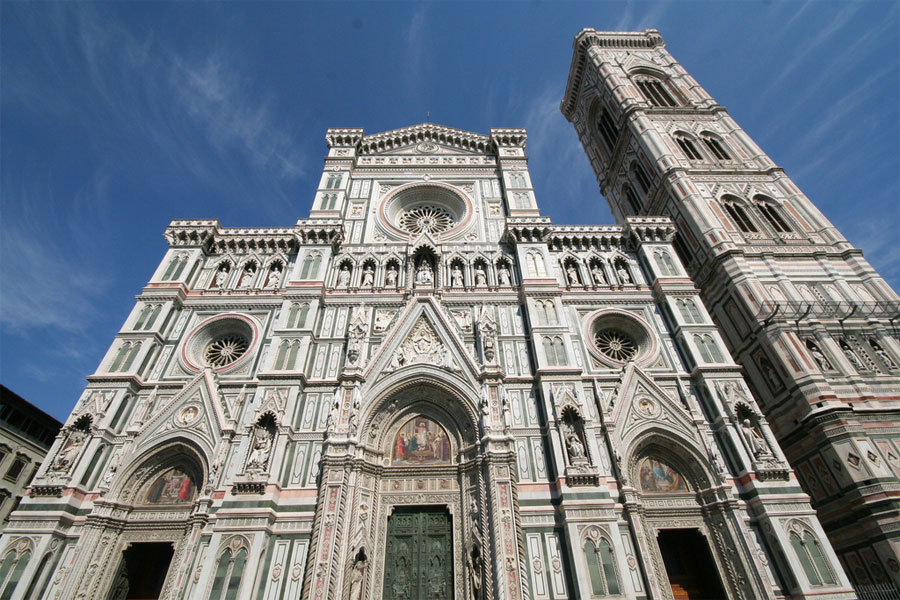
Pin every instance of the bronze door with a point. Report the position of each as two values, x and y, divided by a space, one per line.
418 564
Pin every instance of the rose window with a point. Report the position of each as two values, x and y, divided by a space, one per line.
615 344
426 218
225 350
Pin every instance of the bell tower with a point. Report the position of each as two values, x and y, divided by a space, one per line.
813 325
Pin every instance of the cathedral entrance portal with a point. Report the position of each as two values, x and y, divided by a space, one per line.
419 555
689 565
142 571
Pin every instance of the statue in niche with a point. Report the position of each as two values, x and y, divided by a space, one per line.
574 445
70 450
489 341
597 274
221 275
446 361
397 359
390 278
480 275
732 392
485 403
274 278
820 358
368 276
505 409
247 276
335 413
424 274
261 448
473 563
715 457
572 275
754 438
456 276
353 346
356 336
358 574
111 469
622 272
769 372
344 276
474 516
851 356
503 275
882 354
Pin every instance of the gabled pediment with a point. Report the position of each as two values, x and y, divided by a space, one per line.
426 139
643 404
422 335
427 148
199 411
640 62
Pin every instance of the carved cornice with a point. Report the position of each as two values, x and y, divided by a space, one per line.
528 229
578 237
448 136
191 233
587 38
650 229
320 231
509 137
214 239
343 136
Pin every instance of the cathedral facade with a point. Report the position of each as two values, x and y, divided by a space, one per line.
812 323
424 390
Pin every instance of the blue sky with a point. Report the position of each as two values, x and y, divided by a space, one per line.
116 118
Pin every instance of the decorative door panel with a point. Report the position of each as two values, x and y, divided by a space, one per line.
419 555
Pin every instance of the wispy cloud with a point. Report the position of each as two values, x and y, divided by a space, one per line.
833 125
558 164
641 15
198 103
47 283
801 52
849 58
416 47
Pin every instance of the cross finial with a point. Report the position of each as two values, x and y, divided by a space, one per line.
428 116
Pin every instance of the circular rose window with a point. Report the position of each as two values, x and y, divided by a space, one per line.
225 350
615 344
618 337
432 219
425 208
220 342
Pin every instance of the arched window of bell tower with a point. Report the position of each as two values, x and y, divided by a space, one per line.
715 145
604 125
654 90
687 145
771 211
735 209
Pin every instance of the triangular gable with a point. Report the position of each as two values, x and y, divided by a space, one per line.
422 335
427 148
199 411
633 62
426 139
641 403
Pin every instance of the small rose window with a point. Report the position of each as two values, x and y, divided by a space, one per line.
225 350
618 337
615 344
221 342
426 218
